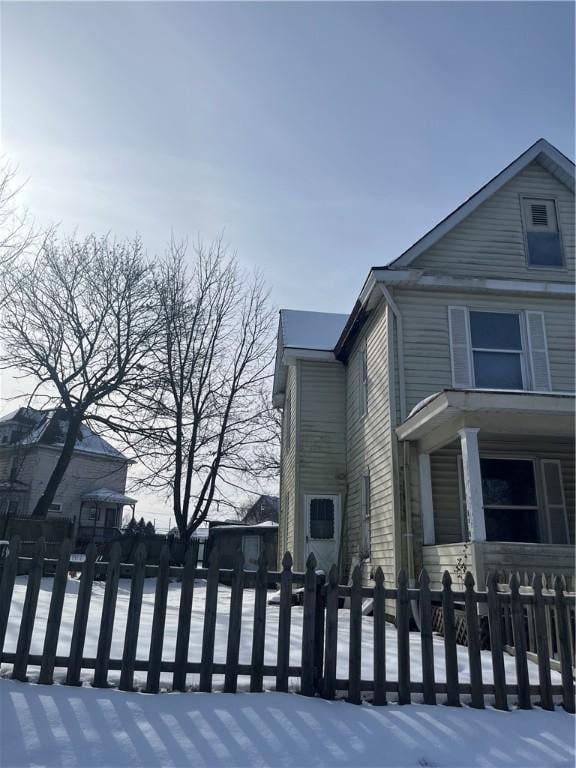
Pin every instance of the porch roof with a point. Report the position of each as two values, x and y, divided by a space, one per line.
436 420
107 495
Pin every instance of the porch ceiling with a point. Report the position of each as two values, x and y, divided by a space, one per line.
436 421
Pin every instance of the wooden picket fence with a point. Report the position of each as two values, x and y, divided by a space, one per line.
322 599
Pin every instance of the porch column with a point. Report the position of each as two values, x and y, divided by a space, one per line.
426 504
473 483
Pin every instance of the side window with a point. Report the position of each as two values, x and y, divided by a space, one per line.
365 516
555 501
363 383
288 422
543 244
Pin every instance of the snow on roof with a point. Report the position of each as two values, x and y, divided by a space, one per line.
311 330
109 495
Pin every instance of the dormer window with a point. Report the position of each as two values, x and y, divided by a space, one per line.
543 245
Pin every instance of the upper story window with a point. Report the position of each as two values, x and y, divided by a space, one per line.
543 244
363 389
497 354
288 422
498 350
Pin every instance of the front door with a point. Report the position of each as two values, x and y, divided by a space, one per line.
110 519
322 529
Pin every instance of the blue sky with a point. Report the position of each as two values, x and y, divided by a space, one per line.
321 138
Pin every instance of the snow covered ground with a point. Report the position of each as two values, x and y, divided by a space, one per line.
221 635
60 726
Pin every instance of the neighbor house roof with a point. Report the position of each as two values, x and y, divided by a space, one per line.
48 428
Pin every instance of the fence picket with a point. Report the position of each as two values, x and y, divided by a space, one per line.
542 648
259 633
29 612
107 619
426 639
184 617
9 573
331 635
403 627
234 625
81 617
133 619
474 657
355 645
210 610
519 636
450 650
563 630
284 620
309 616
496 650
379 638
46 676
158 622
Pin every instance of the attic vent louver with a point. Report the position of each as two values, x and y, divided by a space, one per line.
539 215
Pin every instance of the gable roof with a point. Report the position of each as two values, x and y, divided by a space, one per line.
49 428
541 151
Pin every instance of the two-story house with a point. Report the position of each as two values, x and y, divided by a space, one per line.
92 492
434 425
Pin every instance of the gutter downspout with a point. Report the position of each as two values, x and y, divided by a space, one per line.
409 535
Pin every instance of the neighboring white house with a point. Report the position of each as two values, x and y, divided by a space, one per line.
92 492
434 425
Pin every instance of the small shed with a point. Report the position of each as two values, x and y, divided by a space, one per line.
251 539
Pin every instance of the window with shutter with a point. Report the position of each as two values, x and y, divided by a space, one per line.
540 369
460 347
555 501
542 233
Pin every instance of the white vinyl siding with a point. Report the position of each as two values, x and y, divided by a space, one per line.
363 388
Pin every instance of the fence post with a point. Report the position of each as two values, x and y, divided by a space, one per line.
546 699
81 617
519 636
55 615
284 616
319 632
426 639
379 638
259 633
158 622
133 619
309 616
7 587
210 609
474 657
403 627
184 617
234 625
563 629
331 638
495 628
450 650
29 612
355 653
107 619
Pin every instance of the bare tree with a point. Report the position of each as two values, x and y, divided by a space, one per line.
197 427
16 231
79 320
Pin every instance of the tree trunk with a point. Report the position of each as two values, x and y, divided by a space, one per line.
41 508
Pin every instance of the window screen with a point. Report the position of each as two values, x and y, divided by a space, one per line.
322 519
542 235
496 341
